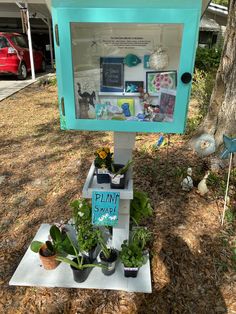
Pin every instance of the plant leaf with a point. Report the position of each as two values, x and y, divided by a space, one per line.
55 233
68 261
35 246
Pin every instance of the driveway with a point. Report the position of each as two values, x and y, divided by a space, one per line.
9 85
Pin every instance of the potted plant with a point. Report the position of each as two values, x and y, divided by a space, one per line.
132 258
80 265
102 162
108 257
49 250
88 240
118 175
141 236
82 212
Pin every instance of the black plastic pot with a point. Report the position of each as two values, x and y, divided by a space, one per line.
131 271
80 275
121 184
92 254
110 263
102 177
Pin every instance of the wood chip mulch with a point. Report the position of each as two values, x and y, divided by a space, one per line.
43 168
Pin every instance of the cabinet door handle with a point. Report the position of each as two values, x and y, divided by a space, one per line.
186 77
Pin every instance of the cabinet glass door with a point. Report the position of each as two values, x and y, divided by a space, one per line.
126 72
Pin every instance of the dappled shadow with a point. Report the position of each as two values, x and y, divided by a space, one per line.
8 142
60 160
192 286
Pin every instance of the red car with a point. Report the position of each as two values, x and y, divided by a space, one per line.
14 56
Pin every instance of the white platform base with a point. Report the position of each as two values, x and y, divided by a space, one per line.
31 273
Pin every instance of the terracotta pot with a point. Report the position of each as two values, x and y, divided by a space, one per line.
48 262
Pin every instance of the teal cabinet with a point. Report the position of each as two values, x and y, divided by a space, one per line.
125 65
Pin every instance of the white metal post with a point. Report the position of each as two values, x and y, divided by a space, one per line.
50 40
227 189
123 147
30 44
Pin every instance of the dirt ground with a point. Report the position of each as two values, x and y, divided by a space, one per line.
43 168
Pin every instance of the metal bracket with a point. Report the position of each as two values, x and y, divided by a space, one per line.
57 35
62 106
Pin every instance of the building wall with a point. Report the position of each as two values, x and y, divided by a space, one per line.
220 19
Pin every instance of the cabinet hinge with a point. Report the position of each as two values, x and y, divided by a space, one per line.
57 35
62 106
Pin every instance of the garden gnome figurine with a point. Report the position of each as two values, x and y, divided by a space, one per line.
202 187
187 183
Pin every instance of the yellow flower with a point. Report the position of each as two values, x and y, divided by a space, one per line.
102 155
107 150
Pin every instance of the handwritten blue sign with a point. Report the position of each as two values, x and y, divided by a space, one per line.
105 208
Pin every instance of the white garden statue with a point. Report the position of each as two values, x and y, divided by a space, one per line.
187 183
202 186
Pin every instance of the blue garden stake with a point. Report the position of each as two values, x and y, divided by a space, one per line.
230 148
160 141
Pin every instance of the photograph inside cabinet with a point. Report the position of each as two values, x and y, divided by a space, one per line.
125 71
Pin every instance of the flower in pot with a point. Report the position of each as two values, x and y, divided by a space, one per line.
82 212
118 175
49 250
88 240
102 162
131 256
80 265
108 257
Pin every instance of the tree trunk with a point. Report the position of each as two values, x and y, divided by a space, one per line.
221 116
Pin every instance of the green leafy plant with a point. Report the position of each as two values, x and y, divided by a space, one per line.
179 172
141 236
230 216
131 255
217 182
208 59
59 243
233 257
140 207
87 237
79 264
122 170
203 83
221 2
82 212
192 124
106 251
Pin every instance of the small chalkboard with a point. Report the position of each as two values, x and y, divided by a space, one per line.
112 74
105 208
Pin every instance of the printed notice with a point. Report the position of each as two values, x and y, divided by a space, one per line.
127 42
